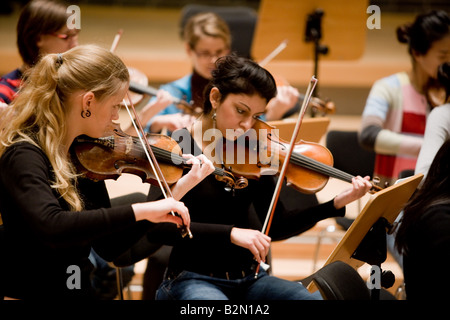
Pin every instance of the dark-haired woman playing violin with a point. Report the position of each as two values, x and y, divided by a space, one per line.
219 262
51 217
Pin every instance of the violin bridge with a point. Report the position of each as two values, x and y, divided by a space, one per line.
128 145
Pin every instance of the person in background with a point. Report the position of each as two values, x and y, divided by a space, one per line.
394 118
206 38
423 236
41 29
437 130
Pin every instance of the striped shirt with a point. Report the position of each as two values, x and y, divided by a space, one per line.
9 85
393 125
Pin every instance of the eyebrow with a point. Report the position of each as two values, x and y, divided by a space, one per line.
242 103
249 109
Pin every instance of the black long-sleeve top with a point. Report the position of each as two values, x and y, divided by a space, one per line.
425 264
43 238
215 211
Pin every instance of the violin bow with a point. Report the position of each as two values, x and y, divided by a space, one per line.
274 53
147 147
116 40
276 194
153 162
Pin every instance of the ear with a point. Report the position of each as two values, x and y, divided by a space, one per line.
214 97
87 100
188 48
39 42
416 55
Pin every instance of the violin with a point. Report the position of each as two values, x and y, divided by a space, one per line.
309 168
137 77
116 153
187 107
316 104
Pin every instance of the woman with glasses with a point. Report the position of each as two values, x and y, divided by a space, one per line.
41 29
206 38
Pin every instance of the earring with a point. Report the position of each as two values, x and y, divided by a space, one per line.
214 119
86 114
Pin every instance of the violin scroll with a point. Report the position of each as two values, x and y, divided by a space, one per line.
231 183
322 106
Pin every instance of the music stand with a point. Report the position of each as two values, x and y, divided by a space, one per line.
312 129
363 241
343 29
341 25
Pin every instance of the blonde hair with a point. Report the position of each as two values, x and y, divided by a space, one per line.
206 24
38 114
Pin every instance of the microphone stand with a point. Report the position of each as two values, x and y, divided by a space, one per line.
313 33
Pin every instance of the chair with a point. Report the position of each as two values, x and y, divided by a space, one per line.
351 158
241 21
339 281
348 154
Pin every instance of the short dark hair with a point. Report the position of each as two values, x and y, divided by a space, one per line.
426 29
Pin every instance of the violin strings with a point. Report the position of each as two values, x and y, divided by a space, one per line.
321 167
170 157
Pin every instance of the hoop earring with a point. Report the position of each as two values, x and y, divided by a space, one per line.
86 114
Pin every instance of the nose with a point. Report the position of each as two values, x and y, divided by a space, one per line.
247 123
214 57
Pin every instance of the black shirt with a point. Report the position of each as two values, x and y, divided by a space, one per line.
45 243
215 211
425 265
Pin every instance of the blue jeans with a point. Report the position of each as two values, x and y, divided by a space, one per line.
193 286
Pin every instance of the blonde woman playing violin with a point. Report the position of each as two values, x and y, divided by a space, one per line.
50 215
